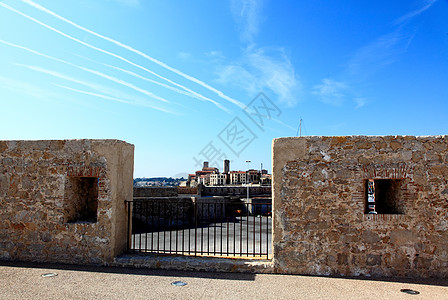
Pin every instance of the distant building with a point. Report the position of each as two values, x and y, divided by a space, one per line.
253 176
218 179
226 168
266 179
211 176
238 177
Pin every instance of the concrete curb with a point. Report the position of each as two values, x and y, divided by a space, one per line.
194 263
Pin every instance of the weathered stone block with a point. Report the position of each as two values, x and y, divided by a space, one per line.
319 184
34 204
403 237
370 236
373 260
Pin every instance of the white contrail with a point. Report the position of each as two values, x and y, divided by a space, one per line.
111 98
187 92
33 51
111 78
92 94
93 86
62 76
104 51
59 75
193 79
122 82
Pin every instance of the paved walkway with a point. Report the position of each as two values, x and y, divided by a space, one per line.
25 281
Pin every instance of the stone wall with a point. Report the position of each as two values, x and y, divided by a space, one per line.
63 200
235 190
321 224
187 190
172 213
155 191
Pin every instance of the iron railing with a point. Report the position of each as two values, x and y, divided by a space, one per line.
196 227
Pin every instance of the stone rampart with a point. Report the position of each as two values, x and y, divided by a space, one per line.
64 200
235 190
155 191
322 224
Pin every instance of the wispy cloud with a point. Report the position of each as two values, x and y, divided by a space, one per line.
124 46
407 17
331 91
215 54
259 68
369 60
247 14
378 54
276 73
387 48
360 102
336 93
26 88
131 3
263 69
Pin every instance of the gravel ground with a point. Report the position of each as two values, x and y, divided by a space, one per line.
25 281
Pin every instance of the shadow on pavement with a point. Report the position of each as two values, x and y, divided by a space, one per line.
130 271
423 281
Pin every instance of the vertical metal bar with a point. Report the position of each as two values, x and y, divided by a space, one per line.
254 212
247 230
146 226
170 214
202 228
208 228
183 226
140 234
208 231
220 219
241 233
195 228
134 236
267 234
128 204
261 230
228 228
214 228
158 226
177 218
234 233
189 230
164 226
152 226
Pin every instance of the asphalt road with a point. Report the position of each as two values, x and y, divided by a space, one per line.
246 236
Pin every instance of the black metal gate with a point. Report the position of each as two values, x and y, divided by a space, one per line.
196 227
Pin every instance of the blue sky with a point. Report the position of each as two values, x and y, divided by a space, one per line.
186 81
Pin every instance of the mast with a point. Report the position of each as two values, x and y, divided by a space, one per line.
299 130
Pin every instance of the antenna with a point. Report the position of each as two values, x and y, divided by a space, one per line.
299 130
